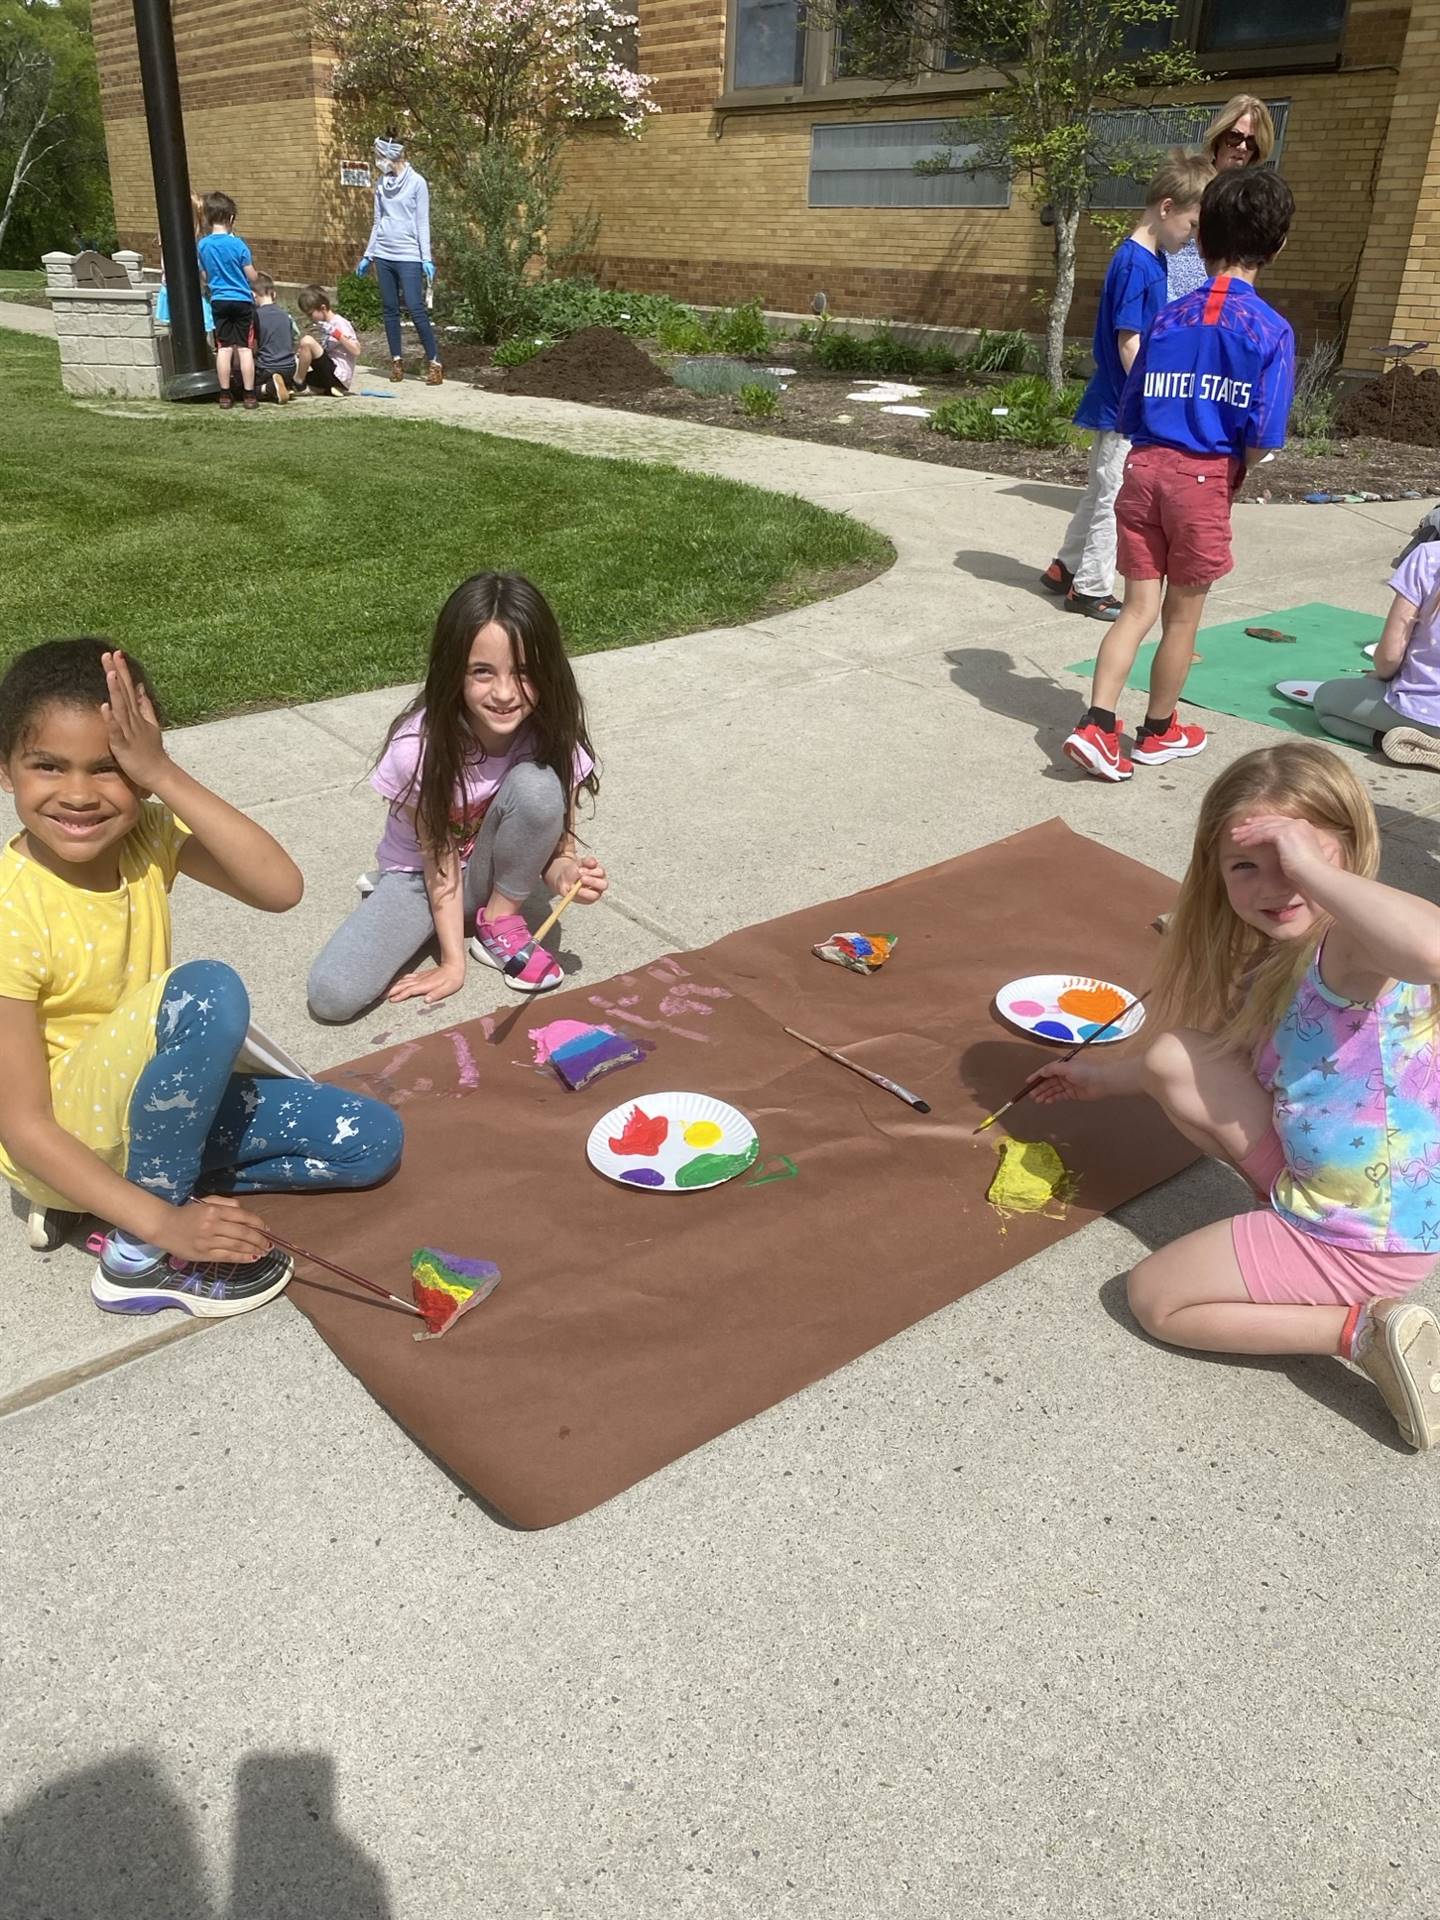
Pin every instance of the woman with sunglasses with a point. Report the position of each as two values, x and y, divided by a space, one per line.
1242 134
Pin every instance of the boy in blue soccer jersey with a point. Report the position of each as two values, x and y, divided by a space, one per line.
1209 394
1133 293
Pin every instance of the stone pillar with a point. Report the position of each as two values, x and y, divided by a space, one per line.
1398 289
109 341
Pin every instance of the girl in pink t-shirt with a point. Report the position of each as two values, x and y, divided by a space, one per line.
481 771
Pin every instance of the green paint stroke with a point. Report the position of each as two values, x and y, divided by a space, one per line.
709 1169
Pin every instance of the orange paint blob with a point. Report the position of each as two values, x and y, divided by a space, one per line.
1092 1003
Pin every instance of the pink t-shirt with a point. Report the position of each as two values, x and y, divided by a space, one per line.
395 778
343 344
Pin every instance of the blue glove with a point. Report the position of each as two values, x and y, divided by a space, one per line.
429 266
364 266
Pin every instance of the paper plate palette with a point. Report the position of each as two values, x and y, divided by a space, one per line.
1302 692
1068 1007
672 1143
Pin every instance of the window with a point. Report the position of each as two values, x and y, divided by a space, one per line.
1146 135
1241 26
872 164
769 43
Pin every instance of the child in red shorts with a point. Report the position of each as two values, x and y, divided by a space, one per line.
1208 395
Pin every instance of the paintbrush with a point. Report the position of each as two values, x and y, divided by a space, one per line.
875 1079
330 1266
1089 1041
514 967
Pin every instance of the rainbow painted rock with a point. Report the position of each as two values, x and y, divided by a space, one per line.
861 952
445 1285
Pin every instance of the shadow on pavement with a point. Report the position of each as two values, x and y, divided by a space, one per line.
115 1841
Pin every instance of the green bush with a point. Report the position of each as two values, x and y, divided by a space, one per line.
682 332
996 353
1313 409
564 306
519 348
712 376
1031 414
739 329
880 357
358 298
759 403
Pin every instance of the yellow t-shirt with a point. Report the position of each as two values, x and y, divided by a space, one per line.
94 964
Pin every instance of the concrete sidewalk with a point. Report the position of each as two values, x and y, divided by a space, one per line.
1017 1612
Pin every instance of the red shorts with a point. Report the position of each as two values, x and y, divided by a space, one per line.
1173 516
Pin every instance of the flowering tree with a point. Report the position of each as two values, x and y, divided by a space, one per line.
456 75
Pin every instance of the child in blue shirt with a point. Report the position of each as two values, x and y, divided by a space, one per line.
1133 293
1208 395
230 277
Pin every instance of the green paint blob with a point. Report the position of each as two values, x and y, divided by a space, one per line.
711 1168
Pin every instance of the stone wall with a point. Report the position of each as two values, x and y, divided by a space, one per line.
109 341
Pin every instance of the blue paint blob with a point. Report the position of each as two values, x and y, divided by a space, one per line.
643 1177
1054 1030
1092 1026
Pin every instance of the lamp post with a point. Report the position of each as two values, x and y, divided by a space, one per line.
194 375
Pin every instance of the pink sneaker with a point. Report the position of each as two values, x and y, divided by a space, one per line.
498 942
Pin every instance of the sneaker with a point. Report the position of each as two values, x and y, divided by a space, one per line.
497 942
1409 747
1095 606
1098 753
1399 1349
250 402
49 1227
397 369
1057 578
226 401
213 1291
1176 743
434 374
282 392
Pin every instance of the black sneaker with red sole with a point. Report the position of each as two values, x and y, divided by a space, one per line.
1057 578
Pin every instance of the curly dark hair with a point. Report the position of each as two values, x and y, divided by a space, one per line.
57 673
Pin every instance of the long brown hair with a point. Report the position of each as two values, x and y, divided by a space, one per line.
555 724
1215 972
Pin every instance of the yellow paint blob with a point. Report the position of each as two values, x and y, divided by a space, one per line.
702 1133
1031 1178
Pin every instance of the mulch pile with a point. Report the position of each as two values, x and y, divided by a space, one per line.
595 364
1413 398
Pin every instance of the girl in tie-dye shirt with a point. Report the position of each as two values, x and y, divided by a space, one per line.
1296 1021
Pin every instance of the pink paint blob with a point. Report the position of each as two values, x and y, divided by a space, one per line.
1029 1008
546 1040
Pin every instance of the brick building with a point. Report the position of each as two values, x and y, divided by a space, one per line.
774 173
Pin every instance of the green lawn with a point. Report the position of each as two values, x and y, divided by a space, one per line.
304 552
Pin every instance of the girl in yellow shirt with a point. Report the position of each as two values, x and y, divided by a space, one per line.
121 1098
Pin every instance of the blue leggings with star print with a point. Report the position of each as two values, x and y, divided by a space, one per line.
198 1126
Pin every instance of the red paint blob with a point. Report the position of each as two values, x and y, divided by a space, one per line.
642 1135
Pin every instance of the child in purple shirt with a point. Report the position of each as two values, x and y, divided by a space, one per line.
1396 707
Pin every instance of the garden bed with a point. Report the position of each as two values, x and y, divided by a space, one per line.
815 405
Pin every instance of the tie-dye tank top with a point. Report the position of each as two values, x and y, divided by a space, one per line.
1357 1111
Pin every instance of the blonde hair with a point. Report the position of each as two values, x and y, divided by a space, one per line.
1235 109
1215 972
1183 178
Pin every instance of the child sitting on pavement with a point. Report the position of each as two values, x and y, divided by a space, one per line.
1208 394
1133 293
275 334
327 363
1396 706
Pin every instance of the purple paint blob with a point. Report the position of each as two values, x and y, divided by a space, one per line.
1027 1008
644 1176
1054 1030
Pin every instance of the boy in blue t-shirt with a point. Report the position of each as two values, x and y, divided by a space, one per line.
1208 395
1133 293
230 275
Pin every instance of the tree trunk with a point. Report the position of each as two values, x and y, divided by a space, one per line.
1067 227
25 160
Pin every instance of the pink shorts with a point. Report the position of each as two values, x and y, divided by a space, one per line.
1282 1266
1173 516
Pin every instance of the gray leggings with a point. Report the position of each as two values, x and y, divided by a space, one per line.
521 832
1356 709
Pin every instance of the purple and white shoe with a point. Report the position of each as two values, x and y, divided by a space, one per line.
498 942
210 1291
